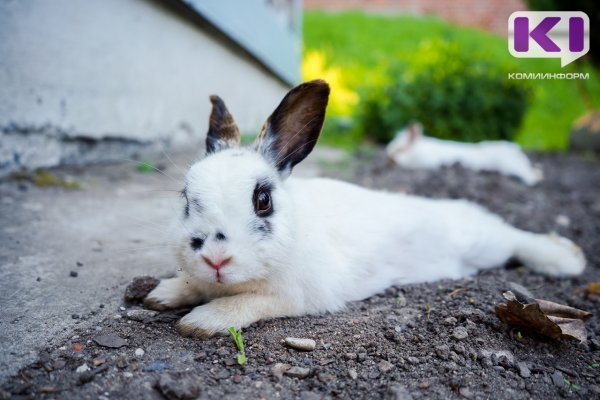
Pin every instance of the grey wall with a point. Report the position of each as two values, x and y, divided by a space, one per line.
122 71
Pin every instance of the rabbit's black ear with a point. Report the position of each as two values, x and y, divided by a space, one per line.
222 129
292 131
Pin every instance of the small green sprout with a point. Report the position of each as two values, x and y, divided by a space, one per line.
594 365
145 166
571 385
519 335
239 343
427 310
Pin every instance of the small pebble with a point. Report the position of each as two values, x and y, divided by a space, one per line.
523 370
558 379
73 274
140 287
237 379
298 372
460 333
230 362
385 366
139 352
141 315
82 368
352 374
563 220
128 374
300 344
122 308
450 321
75 316
325 377
79 264
110 340
413 360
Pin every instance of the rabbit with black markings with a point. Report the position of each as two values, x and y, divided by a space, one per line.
256 243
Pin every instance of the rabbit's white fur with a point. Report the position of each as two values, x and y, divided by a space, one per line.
326 243
411 149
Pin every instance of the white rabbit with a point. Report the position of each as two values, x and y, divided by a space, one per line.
256 243
411 149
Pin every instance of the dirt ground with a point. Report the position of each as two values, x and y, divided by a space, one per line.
405 343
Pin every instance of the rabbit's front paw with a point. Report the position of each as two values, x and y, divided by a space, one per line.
237 311
204 321
171 293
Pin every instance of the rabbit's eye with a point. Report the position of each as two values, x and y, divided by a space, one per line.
262 203
197 243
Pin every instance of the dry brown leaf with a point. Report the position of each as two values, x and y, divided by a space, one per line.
593 288
545 317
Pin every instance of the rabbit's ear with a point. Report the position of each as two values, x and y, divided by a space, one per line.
415 132
292 131
222 129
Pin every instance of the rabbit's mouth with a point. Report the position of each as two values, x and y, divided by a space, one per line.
218 277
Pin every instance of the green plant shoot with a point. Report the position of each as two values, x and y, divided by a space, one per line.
239 343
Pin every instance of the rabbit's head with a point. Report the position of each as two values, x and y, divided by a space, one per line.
238 218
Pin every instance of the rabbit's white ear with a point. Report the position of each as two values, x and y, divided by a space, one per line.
222 129
292 131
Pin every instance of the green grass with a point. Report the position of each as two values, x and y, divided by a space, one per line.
364 45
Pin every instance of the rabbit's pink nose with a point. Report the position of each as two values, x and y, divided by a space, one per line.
217 263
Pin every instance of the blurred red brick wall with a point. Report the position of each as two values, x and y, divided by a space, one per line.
490 15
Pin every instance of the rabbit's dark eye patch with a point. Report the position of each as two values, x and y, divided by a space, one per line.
262 199
197 243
